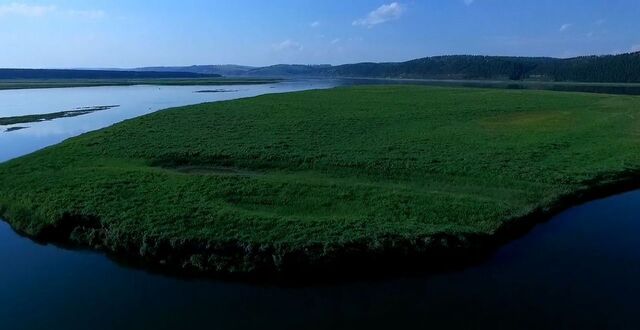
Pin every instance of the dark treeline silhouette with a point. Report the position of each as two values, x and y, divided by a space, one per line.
94 74
609 68
446 67
223 69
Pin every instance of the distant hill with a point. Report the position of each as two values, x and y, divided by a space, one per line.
446 67
285 70
224 70
94 74
608 68
280 70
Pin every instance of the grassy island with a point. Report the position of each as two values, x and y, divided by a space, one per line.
347 175
53 115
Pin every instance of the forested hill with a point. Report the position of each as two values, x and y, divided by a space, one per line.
225 69
609 68
447 67
94 74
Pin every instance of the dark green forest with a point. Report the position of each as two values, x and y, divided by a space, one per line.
623 68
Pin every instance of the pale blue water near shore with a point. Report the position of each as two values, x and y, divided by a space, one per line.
132 101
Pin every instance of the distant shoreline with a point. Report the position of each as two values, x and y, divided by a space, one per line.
493 81
12 84
6 84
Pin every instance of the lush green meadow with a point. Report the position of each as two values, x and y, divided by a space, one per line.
264 182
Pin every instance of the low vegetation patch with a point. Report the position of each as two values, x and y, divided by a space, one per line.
279 181
15 128
53 115
216 91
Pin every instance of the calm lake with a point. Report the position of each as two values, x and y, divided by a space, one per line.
579 270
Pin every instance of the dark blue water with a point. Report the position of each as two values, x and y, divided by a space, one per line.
581 270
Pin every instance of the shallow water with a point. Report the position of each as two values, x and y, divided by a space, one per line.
579 270
133 101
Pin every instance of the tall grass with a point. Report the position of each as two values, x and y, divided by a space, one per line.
328 167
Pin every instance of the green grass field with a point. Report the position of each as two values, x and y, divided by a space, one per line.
320 171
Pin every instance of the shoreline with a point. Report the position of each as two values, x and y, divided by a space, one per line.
71 83
315 264
493 81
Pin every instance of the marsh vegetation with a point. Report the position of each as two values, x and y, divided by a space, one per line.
278 181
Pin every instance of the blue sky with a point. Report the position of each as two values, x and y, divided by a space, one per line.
118 33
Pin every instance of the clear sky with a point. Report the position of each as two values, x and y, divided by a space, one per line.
130 33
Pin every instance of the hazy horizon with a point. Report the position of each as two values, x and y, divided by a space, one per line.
119 34
309 64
